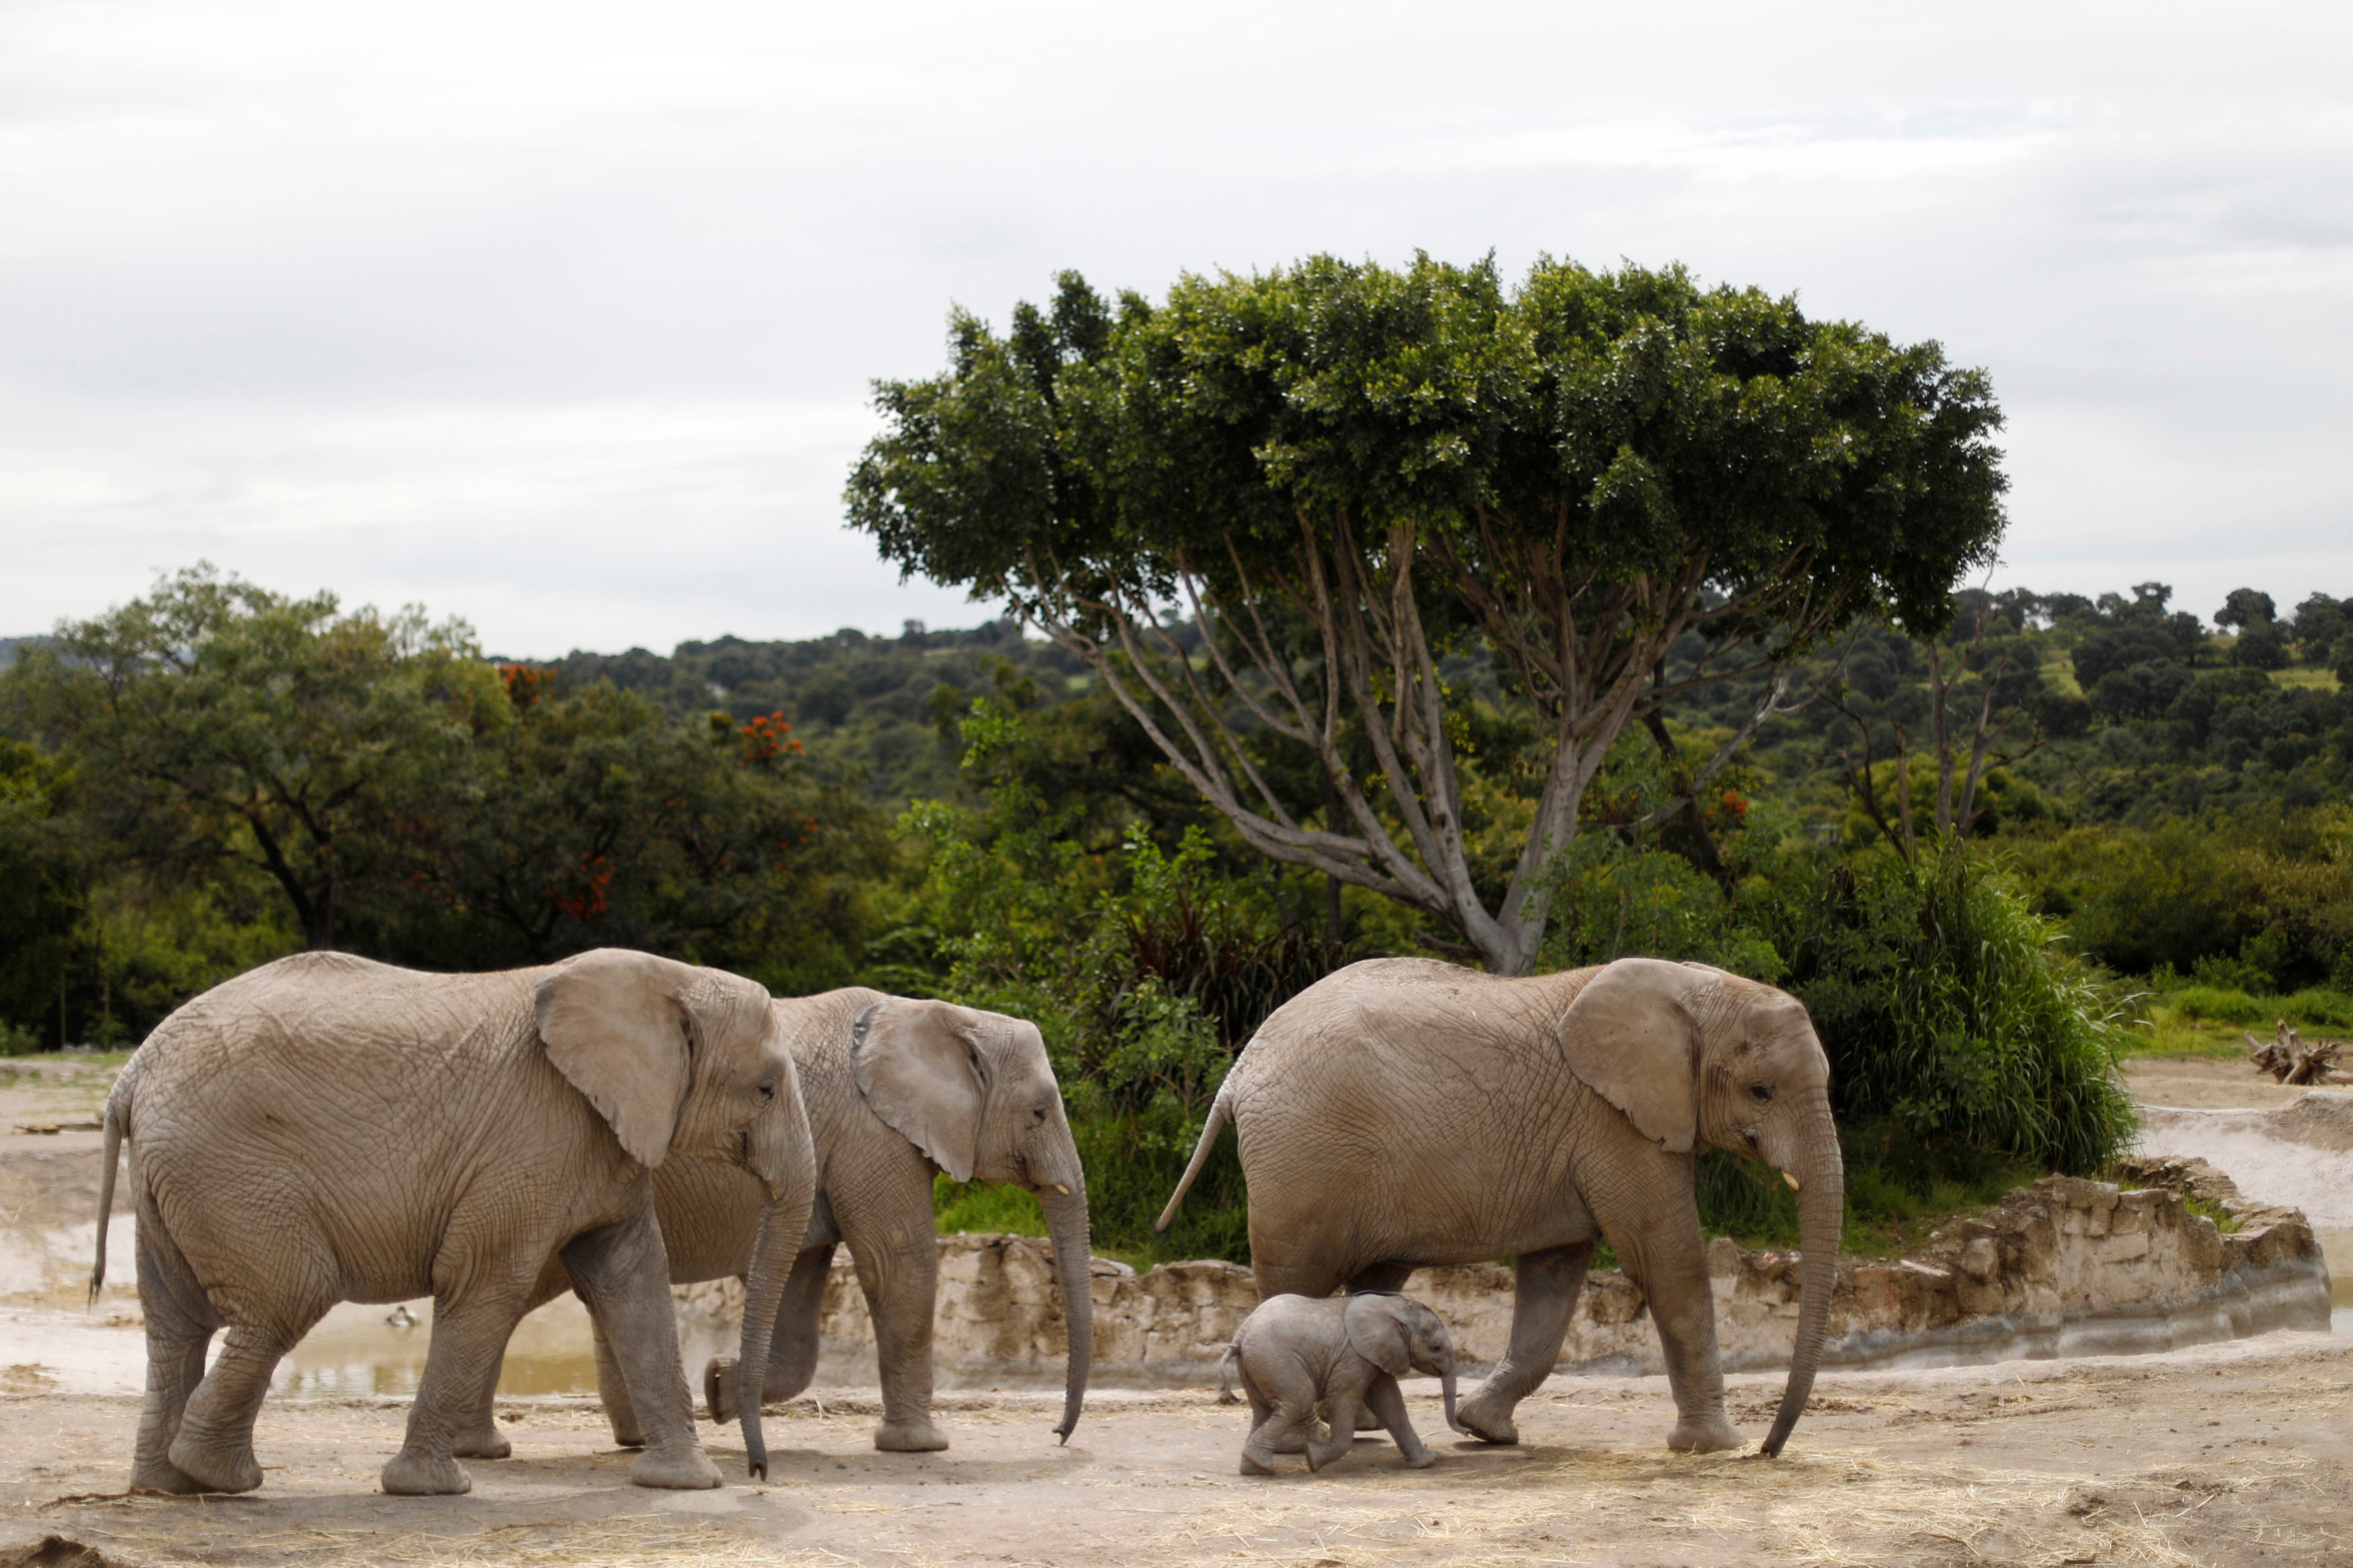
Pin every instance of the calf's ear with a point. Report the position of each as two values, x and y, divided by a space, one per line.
1377 1330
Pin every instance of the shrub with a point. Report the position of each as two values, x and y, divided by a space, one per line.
1950 1011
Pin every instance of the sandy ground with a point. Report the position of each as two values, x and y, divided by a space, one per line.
2221 1455
2227 1454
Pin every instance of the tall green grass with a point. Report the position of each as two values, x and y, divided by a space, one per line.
1951 1010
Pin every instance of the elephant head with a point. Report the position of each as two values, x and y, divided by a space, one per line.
1401 1335
686 1062
975 1092
1695 1055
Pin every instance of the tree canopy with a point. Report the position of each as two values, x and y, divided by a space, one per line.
1337 475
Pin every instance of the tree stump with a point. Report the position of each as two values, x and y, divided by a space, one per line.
2290 1060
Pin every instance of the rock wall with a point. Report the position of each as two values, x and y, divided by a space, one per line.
2064 1267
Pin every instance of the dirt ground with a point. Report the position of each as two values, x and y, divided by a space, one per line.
2221 1454
2226 1454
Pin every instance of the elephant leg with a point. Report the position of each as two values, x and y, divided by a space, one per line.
613 1391
213 1447
461 1370
900 1278
1289 1425
1340 1434
622 1273
1542 1298
1257 1449
1386 1400
792 1349
179 1330
1380 1278
1670 1263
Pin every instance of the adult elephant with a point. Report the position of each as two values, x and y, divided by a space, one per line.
897 1090
325 1129
1402 1113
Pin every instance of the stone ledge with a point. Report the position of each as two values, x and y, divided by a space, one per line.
2064 1267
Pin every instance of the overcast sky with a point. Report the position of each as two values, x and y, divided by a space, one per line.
560 317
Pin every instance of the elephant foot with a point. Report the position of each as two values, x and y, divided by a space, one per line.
1252 1465
916 1437
685 1469
1322 1454
719 1389
1489 1420
162 1476
425 1475
1703 1435
1296 1440
490 1443
1420 1461
214 1466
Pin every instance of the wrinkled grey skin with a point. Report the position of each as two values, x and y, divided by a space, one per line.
325 1129
1404 1113
944 1087
1346 1352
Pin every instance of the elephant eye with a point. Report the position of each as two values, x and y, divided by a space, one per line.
768 1089
1760 1092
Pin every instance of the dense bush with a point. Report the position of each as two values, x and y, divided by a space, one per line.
1950 1010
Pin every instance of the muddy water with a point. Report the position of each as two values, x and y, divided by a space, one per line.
363 1350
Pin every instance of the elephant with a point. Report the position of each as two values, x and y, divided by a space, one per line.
898 1090
1346 1351
325 1129
1404 1113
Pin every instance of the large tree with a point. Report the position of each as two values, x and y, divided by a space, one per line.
214 721
1266 509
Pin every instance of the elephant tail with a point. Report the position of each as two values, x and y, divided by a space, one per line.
116 1107
1225 1376
1221 1111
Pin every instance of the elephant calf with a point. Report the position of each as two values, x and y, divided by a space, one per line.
1346 1351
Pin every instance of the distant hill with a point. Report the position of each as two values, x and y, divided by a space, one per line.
8 647
873 707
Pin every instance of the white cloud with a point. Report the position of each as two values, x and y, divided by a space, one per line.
533 311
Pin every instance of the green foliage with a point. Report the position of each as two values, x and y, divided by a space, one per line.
985 1208
43 881
215 721
2318 1008
1951 1010
1615 900
1350 473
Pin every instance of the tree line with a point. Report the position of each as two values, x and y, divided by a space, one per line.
1347 612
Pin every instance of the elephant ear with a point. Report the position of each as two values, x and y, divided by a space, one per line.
922 1073
1631 1039
617 1027
1377 1330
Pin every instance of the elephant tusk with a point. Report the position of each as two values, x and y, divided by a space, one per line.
1060 1188
1790 1178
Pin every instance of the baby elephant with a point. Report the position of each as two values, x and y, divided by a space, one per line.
1348 1351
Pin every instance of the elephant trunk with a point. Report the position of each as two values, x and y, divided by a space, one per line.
1822 1211
1066 1221
782 1154
1446 1388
